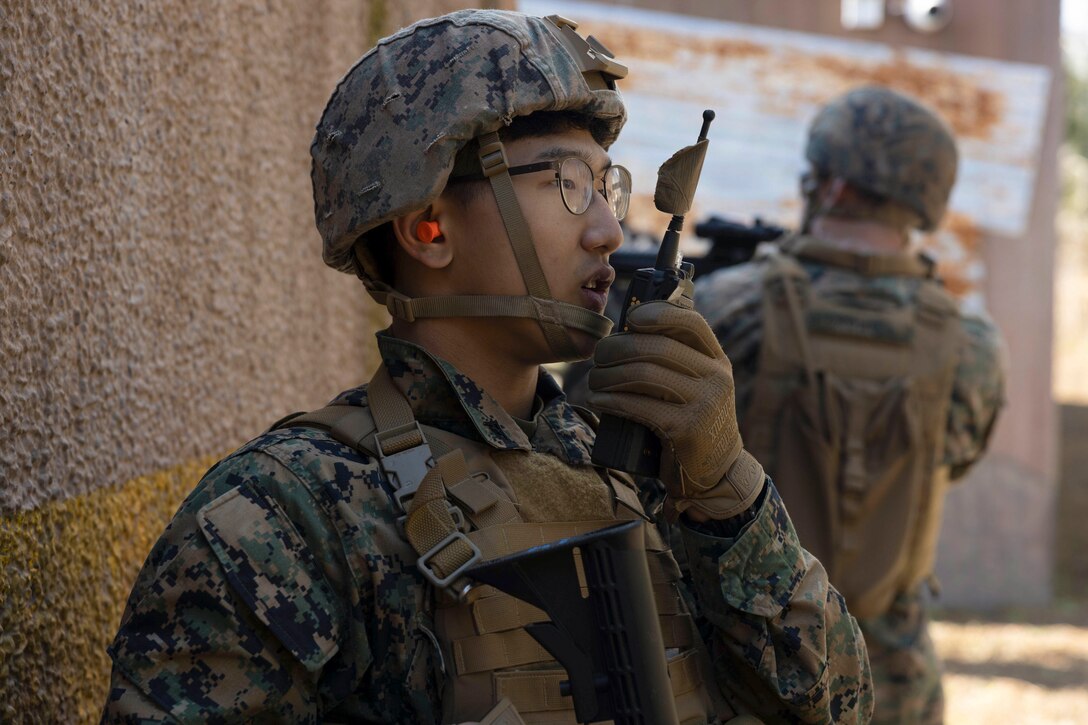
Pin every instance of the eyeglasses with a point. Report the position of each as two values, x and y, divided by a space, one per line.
577 183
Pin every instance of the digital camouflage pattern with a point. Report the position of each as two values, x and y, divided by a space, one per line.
281 589
889 145
769 616
473 71
905 669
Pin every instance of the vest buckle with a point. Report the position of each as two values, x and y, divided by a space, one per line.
422 563
404 468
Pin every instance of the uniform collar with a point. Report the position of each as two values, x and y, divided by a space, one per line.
443 397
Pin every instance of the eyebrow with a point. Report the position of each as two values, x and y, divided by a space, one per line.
562 152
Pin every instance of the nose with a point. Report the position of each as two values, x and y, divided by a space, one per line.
603 233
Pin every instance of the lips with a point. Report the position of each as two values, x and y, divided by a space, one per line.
601 279
595 288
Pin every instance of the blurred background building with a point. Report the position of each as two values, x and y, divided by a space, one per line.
992 68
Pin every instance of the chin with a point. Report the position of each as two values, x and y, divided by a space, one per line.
584 343
531 346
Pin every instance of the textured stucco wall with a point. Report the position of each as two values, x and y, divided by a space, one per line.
162 297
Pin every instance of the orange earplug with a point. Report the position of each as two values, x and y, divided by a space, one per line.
428 231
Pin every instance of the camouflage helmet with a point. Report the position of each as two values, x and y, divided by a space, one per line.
395 127
391 131
887 144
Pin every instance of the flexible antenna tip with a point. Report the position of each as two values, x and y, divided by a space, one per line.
708 116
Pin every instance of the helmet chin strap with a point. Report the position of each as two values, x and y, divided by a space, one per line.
550 313
556 319
810 184
818 204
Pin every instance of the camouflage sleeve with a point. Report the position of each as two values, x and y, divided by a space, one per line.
237 609
978 392
784 647
730 299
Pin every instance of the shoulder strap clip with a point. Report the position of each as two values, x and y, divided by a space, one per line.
444 582
406 467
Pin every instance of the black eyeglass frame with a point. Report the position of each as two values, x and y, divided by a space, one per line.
556 165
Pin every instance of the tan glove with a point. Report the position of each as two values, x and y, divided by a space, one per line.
669 373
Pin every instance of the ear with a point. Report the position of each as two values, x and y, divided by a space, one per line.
810 183
435 253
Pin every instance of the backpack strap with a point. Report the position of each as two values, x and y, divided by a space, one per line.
936 328
784 270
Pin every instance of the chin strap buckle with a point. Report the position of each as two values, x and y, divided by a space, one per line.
492 155
399 306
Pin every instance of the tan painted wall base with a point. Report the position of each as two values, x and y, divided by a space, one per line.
65 572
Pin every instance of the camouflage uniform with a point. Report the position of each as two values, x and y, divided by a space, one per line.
282 588
906 673
313 613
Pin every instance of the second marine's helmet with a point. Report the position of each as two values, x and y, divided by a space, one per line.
397 122
889 145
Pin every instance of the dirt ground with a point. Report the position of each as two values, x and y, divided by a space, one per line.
1030 666
1023 667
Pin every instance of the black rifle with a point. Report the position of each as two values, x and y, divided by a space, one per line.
609 642
732 243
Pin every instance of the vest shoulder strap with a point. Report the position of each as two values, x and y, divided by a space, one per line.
936 304
387 430
869 265
483 501
351 425
785 277
588 416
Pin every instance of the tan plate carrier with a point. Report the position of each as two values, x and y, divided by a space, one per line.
848 414
457 509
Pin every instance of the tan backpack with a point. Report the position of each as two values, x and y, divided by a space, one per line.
848 416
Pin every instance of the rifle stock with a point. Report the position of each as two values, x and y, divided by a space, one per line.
610 641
